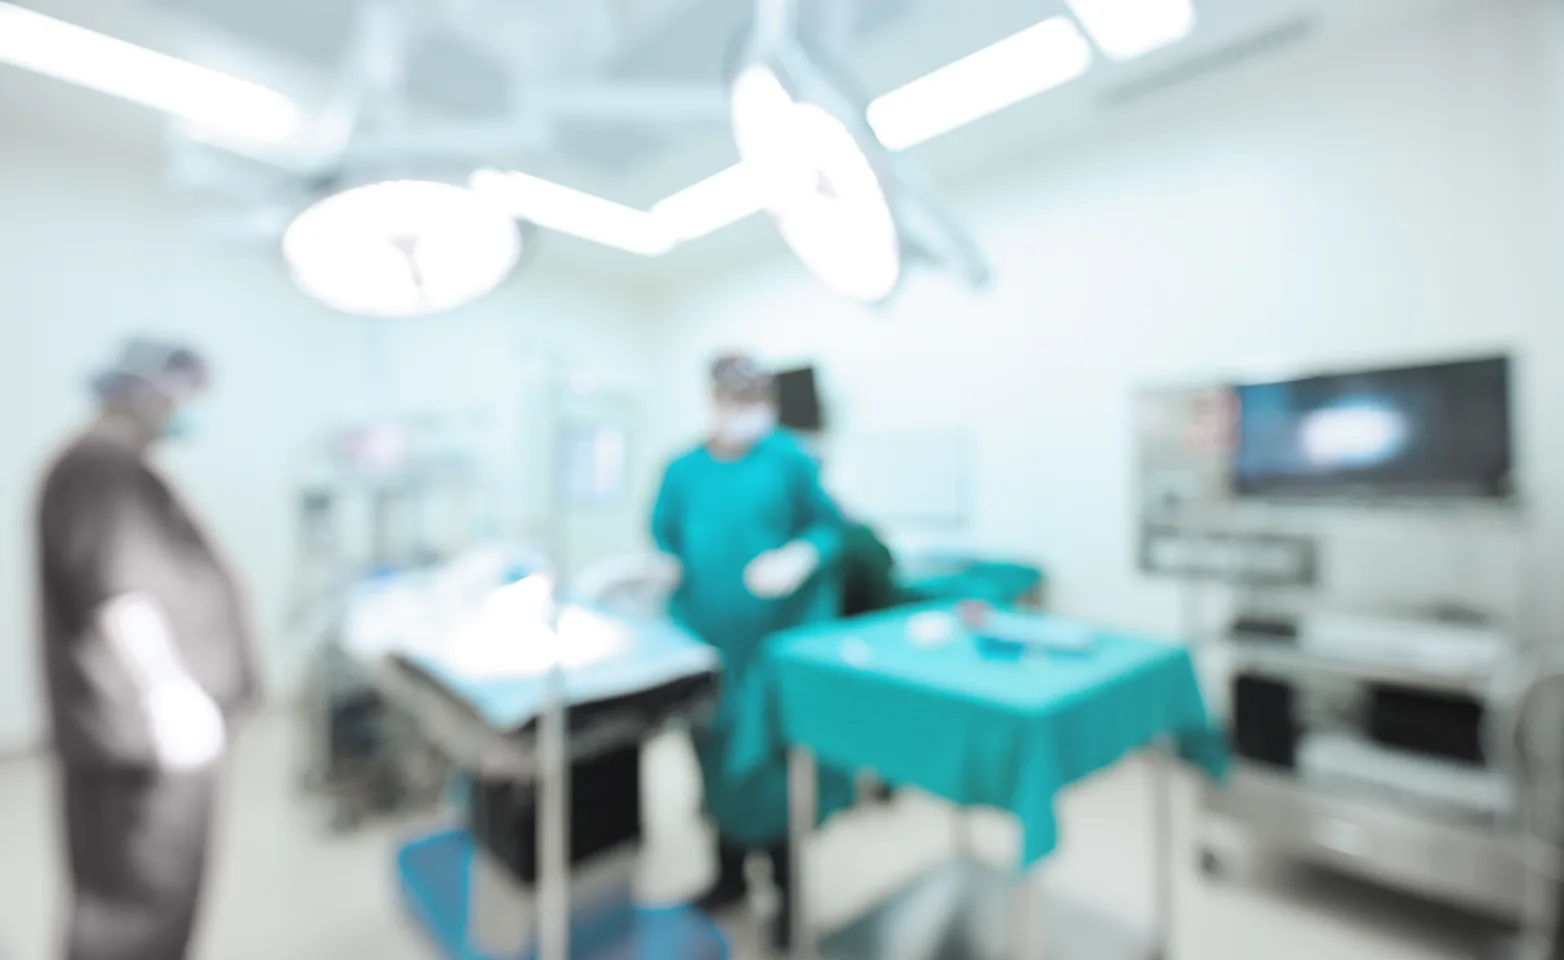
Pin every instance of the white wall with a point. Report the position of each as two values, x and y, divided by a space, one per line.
1400 203
92 248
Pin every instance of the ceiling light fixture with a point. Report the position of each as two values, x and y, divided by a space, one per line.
834 192
1126 29
561 208
1023 65
1016 68
198 94
720 200
401 248
820 186
818 182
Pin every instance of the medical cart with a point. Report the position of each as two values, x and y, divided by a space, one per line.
978 725
534 733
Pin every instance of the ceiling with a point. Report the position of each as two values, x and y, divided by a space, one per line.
630 92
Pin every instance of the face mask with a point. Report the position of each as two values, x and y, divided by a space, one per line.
745 426
186 421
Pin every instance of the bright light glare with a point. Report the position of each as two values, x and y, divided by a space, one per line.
821 189
720 200
401 248
202 96
1126 29
570 211
1020 66
763 128
1353 435
834 215
1028 63
510 639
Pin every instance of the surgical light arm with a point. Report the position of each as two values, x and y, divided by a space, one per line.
927 230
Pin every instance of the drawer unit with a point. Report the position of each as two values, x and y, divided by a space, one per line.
1442 860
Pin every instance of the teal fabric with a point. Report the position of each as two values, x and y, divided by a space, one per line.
1003 583
974 730
716 516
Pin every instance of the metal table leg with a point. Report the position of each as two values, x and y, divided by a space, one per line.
1538 859
1162 851
803 801
1026 906
503 916
961 835
554 826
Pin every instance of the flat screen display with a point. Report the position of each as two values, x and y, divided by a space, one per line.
1440 430
798 401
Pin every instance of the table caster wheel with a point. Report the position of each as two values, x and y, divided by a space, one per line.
1211 865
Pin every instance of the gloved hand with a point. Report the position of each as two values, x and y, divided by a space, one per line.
779 573
187 728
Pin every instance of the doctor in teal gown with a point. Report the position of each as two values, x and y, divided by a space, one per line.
757 540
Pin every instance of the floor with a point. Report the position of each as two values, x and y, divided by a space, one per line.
284 886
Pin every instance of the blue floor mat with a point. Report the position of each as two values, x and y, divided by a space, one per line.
436 887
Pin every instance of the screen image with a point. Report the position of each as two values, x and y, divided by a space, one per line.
798 401
1441 430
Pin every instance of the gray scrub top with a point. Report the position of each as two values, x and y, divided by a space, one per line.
107 526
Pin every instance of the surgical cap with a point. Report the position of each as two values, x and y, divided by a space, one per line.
737 378
169 367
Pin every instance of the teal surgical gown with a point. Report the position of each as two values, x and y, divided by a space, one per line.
716 516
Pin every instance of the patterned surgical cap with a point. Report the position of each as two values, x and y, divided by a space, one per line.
169 367
737 378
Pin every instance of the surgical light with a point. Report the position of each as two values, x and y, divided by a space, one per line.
1126 29
1037 59
583 215
204 97
401 248
819 185
1016 68
832 211
838 198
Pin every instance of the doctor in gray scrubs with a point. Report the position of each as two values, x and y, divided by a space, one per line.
148 660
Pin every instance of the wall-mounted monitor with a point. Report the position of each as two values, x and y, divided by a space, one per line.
798 400
1433 431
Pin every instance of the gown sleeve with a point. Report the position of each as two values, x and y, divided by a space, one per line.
101 535
820 521
665 513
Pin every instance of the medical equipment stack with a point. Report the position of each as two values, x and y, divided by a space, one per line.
1377 652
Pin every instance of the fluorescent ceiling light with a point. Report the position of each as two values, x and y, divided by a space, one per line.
401 249
1020 66
1023 65
574 212
720 200
203 96
1126 29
